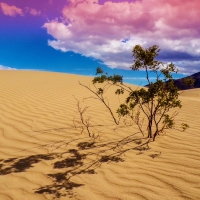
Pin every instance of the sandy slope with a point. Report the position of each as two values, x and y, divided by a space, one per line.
43 154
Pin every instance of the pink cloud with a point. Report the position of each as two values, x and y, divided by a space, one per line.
33 11
10 10
97 30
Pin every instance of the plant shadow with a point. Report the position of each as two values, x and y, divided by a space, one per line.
83 159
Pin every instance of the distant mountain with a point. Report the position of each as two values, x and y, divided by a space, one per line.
179 82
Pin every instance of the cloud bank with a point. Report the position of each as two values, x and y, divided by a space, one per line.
109 31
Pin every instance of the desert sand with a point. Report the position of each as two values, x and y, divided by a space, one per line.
45 153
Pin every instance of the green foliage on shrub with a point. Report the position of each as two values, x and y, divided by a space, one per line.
155 101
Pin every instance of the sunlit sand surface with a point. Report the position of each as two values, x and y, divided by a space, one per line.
45 153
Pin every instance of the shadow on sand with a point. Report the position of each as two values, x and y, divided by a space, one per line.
83 159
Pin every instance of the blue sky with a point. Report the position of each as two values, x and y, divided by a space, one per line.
77 36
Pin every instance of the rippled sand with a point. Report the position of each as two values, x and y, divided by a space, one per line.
45 153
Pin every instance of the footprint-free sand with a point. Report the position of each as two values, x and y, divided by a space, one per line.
45 151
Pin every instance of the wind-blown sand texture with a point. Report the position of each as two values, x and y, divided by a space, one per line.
44 155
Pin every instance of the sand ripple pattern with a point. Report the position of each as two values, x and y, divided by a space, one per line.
44 156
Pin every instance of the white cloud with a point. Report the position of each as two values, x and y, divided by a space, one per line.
188 67
6 68
98 31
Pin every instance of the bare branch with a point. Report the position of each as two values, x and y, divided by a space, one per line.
101 98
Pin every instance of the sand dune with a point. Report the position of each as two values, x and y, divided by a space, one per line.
44 155
193 94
